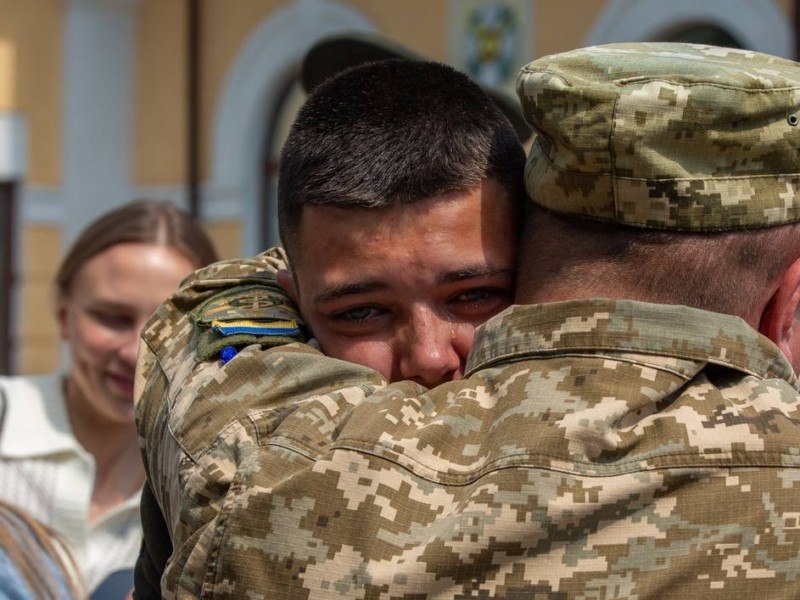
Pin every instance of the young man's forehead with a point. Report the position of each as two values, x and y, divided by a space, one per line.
345 225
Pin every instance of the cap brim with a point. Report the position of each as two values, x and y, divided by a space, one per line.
334 54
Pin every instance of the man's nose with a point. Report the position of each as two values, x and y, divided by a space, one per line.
429 355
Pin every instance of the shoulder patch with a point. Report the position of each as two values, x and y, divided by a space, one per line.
243 315
252 327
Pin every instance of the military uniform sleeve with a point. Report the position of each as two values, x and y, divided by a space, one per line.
194 407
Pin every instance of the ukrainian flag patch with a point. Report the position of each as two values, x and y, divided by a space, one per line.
247 326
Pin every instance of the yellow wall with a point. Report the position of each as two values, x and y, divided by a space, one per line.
8 82
30 34
581 16
160 150
41 246
224 34
31 86
227 237
420 25
162 82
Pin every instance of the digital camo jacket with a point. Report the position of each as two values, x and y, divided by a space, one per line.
597 449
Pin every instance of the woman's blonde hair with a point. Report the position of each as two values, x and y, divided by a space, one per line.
141 221
40 556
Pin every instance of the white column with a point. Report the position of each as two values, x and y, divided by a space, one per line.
12 146
99 44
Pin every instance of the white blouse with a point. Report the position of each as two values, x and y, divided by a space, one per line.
45 471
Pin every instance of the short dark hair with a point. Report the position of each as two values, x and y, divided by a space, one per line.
392 132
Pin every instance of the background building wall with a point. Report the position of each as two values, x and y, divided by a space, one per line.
31 90
31 80
249 55
160 131
421 25
38 351
575 19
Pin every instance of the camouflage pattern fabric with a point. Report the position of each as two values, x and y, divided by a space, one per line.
596 449
664 135
186 397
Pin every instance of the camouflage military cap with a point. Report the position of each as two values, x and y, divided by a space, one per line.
665 135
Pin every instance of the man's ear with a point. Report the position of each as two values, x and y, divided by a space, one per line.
780 320
286 280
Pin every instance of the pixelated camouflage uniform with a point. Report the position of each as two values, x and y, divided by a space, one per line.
596 449
665 136
185 396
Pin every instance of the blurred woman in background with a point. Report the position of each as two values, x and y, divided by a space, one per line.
69 454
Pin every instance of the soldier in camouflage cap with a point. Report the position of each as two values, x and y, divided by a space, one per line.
630 429
689 138
661 145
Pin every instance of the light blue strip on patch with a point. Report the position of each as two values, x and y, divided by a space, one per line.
255 328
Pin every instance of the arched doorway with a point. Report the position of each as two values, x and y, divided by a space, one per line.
259 97
288 102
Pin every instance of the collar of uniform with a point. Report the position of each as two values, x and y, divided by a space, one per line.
34 419
586 326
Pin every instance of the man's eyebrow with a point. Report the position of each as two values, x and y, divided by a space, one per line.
472 272
335 292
